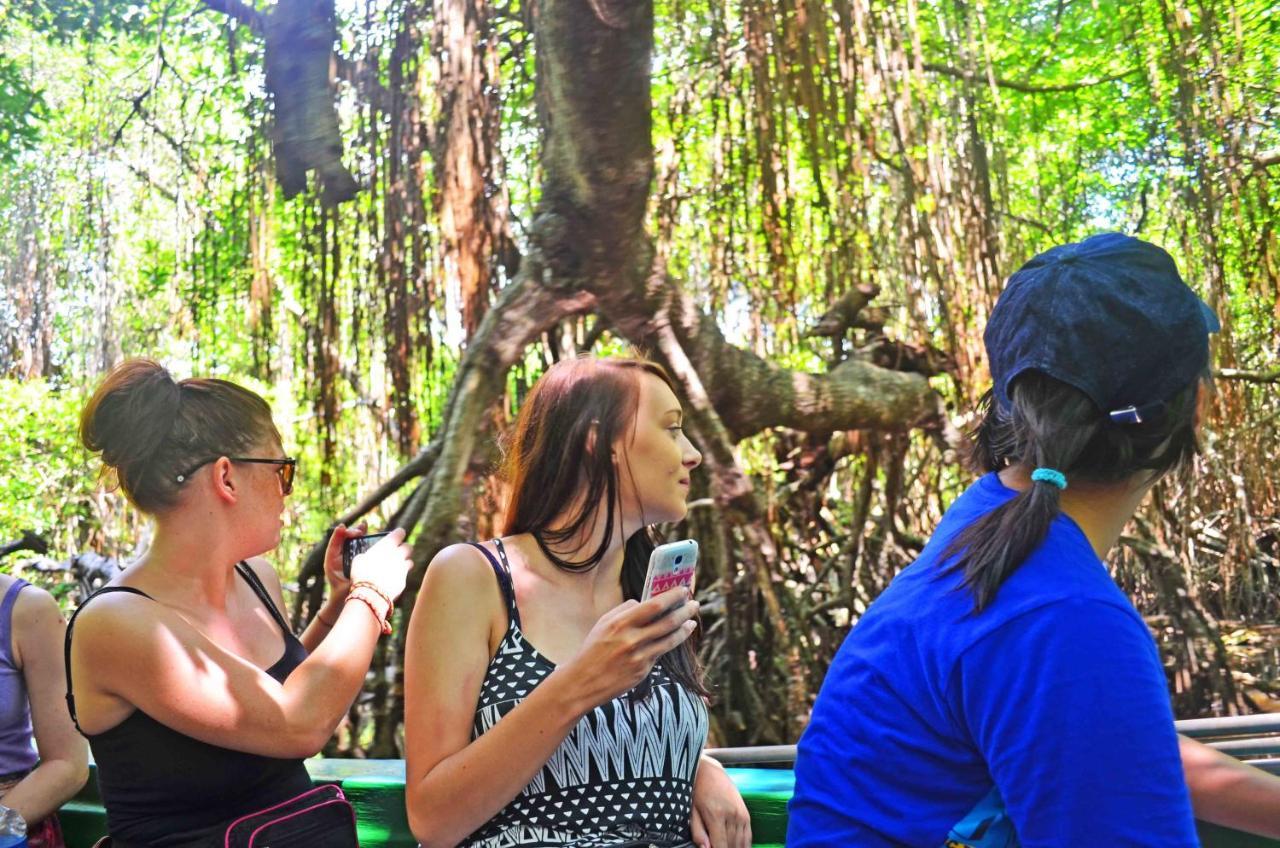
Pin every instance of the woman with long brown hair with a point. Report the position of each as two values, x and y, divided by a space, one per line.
545 705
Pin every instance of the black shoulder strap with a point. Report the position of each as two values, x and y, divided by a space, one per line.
255 583
66 642
504 577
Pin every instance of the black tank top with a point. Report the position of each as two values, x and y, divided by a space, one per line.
623 775
162 789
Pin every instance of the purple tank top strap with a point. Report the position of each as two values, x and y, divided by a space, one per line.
17 755
6 619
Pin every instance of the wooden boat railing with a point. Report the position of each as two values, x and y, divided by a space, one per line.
763 774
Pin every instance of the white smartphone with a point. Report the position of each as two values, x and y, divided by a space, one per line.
670 565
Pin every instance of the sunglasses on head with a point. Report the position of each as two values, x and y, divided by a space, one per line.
286 469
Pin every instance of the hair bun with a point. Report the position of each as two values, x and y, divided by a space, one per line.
149 429
130 413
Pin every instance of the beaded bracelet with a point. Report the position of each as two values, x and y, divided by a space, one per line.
384 622
365 584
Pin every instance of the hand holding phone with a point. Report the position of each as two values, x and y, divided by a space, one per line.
622 647
671 565
356 545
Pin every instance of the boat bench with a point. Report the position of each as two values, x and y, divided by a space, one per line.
764 775
376 790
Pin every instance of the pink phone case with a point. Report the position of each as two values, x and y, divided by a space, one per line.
671 565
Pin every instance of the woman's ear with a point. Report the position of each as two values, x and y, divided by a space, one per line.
593 436
223 480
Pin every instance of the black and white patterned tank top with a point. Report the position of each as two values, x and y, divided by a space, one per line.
623 775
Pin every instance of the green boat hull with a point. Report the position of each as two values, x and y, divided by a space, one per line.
376 790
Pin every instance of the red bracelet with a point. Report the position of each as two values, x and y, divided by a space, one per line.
384 623
365 584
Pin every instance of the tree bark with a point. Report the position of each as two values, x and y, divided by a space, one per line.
592 225
470 197
523 312
400 251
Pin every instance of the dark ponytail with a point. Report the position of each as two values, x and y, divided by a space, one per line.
1051 424
149 427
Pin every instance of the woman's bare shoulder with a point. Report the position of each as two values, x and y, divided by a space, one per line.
36 618
459 590
33 602
459 566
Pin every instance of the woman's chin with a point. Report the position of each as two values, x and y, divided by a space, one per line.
677 512
668 512
264 547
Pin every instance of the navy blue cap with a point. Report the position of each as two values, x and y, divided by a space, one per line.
1109 315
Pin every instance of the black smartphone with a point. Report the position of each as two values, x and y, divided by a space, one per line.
355 546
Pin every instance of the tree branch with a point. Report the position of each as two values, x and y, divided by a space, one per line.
311 574
1245 376
1029 222
1266 160
241 12
590 233
151 183
1026 87
593 335
752 394
523 311
837 320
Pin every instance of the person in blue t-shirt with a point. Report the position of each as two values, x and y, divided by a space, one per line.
1003 691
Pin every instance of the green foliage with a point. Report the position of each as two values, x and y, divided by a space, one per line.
67 20
21 110
47 485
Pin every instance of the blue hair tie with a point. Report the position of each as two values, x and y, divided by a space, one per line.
1052 476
